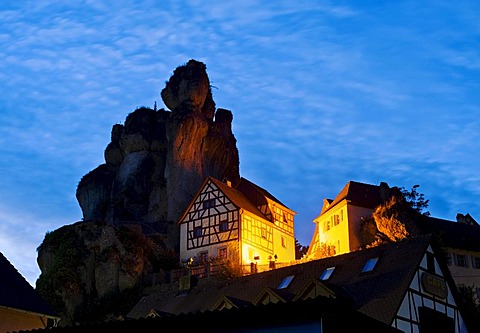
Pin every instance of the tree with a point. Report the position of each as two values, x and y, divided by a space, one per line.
300 250
415 199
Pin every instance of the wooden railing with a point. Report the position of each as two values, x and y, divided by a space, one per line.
212 269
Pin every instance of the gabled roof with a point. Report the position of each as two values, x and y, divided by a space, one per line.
378 293
238 198
18 294
254 192
235 196
359 194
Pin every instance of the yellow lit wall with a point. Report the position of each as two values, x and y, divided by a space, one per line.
11 320
333 228
339 226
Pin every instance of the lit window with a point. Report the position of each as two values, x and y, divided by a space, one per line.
222 253
327 273
369 265
286 282
264 233
326 225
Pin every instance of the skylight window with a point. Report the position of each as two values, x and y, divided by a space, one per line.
327 273
286 282
369 265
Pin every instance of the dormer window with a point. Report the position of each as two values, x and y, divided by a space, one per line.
327 273
369 265
286 282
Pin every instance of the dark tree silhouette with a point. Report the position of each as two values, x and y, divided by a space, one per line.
416 200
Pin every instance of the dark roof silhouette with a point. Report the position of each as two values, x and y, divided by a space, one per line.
452 234
359 194
17 293
377 294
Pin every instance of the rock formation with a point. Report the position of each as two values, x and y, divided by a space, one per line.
157 160
154 165
391 221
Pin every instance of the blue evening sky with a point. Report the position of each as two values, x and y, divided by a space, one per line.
322 92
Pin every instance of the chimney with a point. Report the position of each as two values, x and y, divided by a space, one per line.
226 181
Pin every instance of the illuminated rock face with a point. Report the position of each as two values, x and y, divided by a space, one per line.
157 160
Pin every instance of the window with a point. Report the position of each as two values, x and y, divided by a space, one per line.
476 262
335 219
286 282
223 225
327 273
197 232
208 203
222 253
326 225
264 233
460 260
369 265
284 242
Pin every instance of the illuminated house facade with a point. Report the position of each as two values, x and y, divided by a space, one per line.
337 228
245 225
338 231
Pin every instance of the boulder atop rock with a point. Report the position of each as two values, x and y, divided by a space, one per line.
189 88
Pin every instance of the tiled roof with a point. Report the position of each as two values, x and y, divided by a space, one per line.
245 183
452 234
377 294
359 194
237 197
17 293
319 314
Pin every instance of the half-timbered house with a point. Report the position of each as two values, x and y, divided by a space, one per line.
244 225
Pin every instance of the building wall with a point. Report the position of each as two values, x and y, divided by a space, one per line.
434 298
333 230
355 215
465 269
11 320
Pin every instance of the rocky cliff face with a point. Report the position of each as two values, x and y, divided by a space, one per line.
156 161
154 165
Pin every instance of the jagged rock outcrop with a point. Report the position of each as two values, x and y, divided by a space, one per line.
156 161
154 165
93 270
391 221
